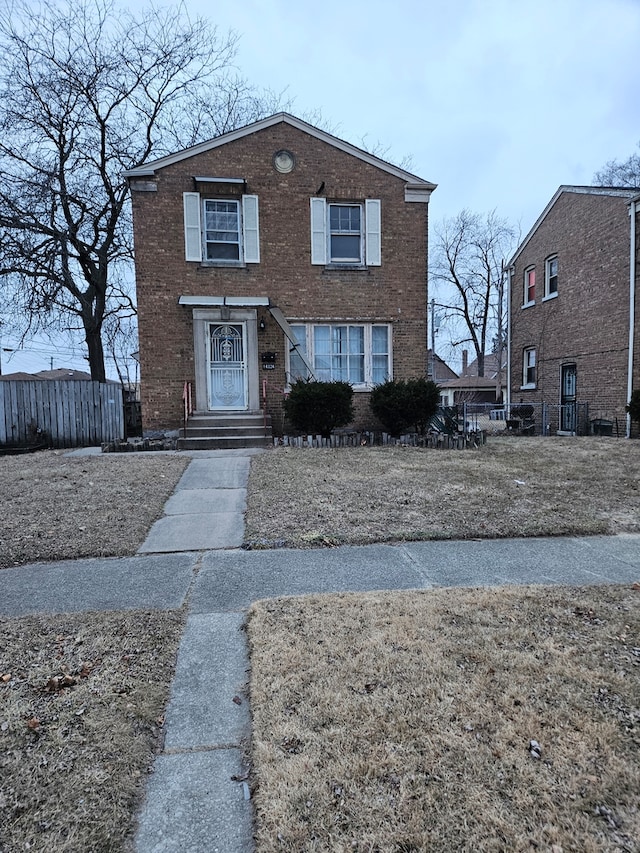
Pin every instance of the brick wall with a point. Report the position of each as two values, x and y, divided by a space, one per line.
587 323
394 292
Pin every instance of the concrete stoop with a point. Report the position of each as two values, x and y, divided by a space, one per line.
225 431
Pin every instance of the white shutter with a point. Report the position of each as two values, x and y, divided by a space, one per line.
192 235
318 231
374 234
250 229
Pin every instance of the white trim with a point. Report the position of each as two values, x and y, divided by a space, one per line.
150 168
373 225
251 229
199 179
217 301
192 227
549 297
318 231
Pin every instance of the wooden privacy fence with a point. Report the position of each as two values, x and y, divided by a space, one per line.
60 413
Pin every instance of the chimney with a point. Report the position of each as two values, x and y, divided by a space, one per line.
465 361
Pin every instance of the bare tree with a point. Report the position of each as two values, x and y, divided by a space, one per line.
88 90
468 254
620 174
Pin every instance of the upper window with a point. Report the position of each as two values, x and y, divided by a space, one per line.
223 231
530 286
345 233
358 354
551 277
529 368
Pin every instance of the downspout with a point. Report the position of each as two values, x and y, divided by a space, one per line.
632 310
509 277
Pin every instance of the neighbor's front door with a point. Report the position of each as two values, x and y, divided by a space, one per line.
227 367
568 398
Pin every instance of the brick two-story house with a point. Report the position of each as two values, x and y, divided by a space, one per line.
574 329
272 252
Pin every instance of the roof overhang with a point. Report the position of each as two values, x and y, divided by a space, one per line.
413 181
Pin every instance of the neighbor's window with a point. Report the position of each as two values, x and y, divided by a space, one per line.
551 277
530 286
358 354
529 368
221 230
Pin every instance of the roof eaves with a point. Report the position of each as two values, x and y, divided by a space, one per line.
149 169
615 192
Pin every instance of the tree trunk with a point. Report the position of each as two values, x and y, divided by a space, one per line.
96 354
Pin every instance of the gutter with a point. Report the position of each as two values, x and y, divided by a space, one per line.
632 311
510 272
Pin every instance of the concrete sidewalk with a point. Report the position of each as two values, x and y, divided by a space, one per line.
196 798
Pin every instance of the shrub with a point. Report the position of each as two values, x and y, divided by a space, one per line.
318 407
634 406
405 404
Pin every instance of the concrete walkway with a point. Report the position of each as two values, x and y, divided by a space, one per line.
196 798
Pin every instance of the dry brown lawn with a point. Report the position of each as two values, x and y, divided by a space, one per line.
472 720
57 507
510 487
82 700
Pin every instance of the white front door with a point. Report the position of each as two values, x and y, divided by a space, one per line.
227 368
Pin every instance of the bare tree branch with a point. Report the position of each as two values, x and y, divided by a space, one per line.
620 174
87 91
467 255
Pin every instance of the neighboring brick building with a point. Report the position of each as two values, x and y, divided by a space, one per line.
268 246
574 330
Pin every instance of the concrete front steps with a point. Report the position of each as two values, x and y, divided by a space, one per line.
222 432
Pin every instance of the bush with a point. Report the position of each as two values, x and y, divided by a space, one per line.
318 407
402 405
634 406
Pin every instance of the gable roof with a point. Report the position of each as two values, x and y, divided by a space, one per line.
149 169
611 192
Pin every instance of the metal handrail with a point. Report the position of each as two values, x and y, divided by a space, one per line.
187 402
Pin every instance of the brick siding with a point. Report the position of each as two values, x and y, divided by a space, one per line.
394 292
587 324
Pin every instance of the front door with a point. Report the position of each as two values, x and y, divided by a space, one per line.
568 398
227 367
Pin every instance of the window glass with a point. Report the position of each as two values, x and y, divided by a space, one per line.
552 276
345 233
296 365
530 285
529 372
379 354
222 230
358 354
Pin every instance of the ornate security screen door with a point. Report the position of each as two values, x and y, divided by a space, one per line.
227 367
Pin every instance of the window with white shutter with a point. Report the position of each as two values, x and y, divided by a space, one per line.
221 231
346 233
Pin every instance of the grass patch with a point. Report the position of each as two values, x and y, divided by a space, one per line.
58 507
406 721
81 704
510 487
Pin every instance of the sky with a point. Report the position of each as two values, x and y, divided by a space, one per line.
499 102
